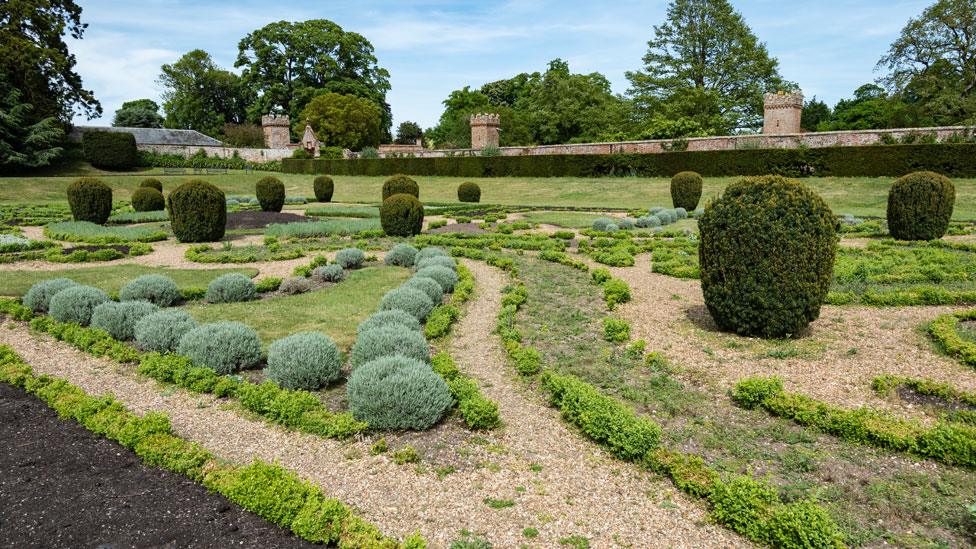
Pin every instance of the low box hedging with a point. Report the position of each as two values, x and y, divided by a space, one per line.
477 411
945 331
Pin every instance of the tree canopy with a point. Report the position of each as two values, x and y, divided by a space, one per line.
201 96
345 121
26 141
408 133
140 113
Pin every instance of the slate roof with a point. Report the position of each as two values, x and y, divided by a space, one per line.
156 136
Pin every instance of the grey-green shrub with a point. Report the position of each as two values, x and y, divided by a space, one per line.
441 260
601 223
401 255
39 295
385 319
231 288
648 222
161 331
393 340
667 217
350 258
611 227
225 347
76 304
395 393
119 319
306 360
656 209
430 251
295 285
410 300
154 288
625 224
680 213
427 285
447 278
332 272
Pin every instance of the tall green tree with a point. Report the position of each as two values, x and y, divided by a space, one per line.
408 133
815 113
345 121
705 64
199 95
140 113
26 141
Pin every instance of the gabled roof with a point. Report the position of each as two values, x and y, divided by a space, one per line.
156 136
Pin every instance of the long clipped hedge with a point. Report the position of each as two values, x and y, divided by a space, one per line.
952 160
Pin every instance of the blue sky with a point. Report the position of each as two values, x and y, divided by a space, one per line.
829 47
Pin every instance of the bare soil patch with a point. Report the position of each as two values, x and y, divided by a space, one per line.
469 228
260 220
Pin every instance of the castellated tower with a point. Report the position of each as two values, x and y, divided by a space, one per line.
277 131
484 130
781 113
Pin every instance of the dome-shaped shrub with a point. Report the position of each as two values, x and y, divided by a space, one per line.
402 215
323 188
625 224
400 184
197 212
680 213
152 183
667 217
329 273
386 319
767 256
350 258
39 295
76 304
306 360
427 285
396 393
119 319
230 288
410 300
90 200
392 340
648 222
439 260
686 190
154 288
611 228
600 223
295 285
271 194
430 251
469 192
920 205
444 276
162 331
225 347
148 199
401 255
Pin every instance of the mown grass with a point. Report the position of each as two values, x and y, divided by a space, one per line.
110 278
569 220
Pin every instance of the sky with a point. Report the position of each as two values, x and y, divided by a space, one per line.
829 47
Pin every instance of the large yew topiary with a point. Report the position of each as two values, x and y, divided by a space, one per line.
469 192
152 183
767 256
148 199
271 193
402 215
686 190
323 188
400 184
920 205
197 212
90 200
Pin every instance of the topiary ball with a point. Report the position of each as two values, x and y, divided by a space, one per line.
119 319
271 194
231 288
306 360
427 285
440 260
396 393
76 304
90 200
920 205
148 199
39 295
162 331
447 278
402 215
389 341
329 273
469 192
197 212
323 187
412 301
386 319
767 256
154 288
686 190
350 258
400 184
401 255
430 251
152 183
225 347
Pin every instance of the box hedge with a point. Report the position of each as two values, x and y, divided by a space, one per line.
110 150
920 205
323 187
90 200
197 212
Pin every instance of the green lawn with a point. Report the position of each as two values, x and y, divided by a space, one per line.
110 278
336 310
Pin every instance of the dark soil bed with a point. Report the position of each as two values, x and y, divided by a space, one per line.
62 486
117 247
260 220
471 228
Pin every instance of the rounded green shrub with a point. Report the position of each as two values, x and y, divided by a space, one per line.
323 187
350 258
686 190
388 341
154 288
152 183
681 213
401 255
76 304
306 360
386 319
231 288
920 205
601 223
410 300
625 224
402 215
803 524
447 278
119 319
396 393
109 150
400 184
90 200
767 255
648 221
430 251
427 285
611 228
148 199
39 295
439 260
162 331
225 347
469 192
197 212
271 194
332 272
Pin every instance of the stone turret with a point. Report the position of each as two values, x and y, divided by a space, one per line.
781 113
277 131
484 130
309 142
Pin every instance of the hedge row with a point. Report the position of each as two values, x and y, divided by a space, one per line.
953 160
162 160
945 331
267 490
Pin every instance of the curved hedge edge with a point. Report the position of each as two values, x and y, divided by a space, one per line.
55 254
950 443
258 488
920 295
443 316
943 331
478 412
563 258
886 384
